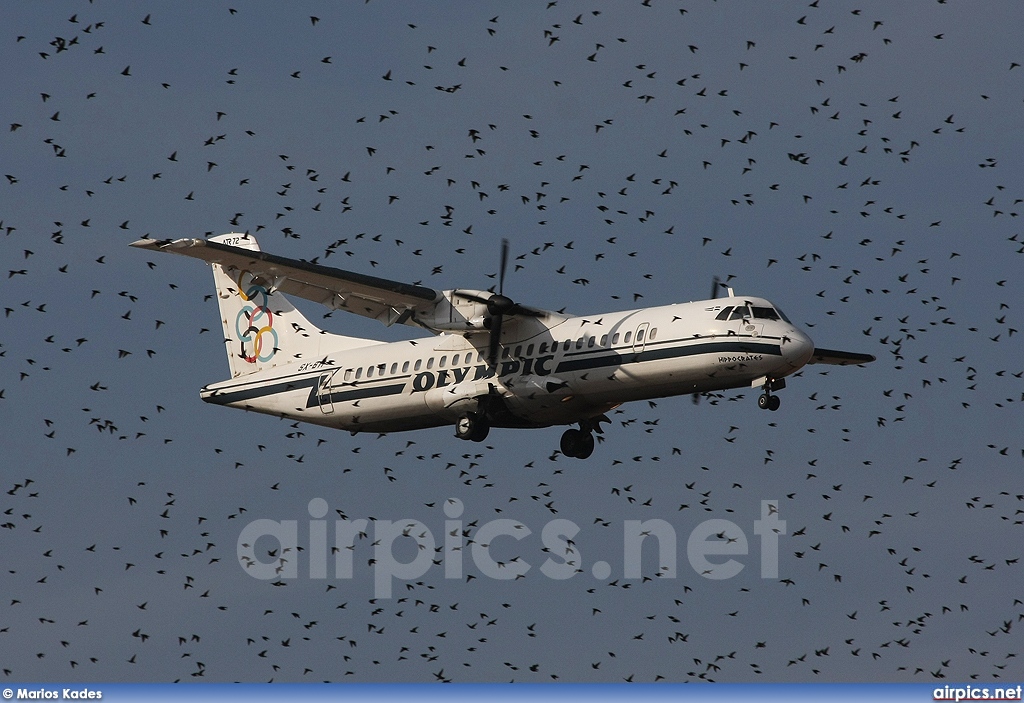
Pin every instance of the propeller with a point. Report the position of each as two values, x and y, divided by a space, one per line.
498 307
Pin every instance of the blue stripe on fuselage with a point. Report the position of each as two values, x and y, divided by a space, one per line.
227 397
582 361
601 359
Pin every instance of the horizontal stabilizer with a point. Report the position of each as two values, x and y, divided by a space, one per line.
358 293
262 328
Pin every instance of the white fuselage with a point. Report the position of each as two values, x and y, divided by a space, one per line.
549 373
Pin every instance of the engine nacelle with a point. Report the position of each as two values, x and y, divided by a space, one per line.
456 313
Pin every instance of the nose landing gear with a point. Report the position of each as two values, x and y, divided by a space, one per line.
767 401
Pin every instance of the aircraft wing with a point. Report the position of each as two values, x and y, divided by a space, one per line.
388 301
839 358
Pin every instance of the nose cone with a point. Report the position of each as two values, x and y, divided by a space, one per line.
797 349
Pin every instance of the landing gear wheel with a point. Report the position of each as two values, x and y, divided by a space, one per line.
586 446
464 426
774 403
472 426
482 428
577 444
764 401
569 441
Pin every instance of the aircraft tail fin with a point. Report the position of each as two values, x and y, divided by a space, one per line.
262 328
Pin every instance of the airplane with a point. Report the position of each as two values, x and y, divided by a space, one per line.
493 362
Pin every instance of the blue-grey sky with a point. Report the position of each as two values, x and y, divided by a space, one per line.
858 163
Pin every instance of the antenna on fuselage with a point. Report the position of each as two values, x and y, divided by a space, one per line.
716 285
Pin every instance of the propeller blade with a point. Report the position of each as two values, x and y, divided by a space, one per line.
495 340
469 296
498 306
504 263
715 285
523 311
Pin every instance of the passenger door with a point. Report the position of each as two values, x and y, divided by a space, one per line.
324 391
640 337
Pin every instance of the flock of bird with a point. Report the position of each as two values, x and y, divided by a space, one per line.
854 162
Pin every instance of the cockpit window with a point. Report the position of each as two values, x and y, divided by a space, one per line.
782 314
738 312
765 314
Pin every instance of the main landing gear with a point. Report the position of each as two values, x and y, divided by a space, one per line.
575 443
472 426
578 444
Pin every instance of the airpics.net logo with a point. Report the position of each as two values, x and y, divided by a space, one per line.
711 548
977 693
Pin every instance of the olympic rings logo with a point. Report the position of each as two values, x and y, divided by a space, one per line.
254 324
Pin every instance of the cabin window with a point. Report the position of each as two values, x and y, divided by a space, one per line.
519 350
529 350
455 360
359 373
654 333
430 363
442 362
394 368
579 343
590 342
349 373
724 315
604 340
405 367
506 352
469 357
419 363
566 344
369 372
629 336
640 335
615 339
544 347
381 368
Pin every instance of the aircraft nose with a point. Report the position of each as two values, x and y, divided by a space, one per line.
797 348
